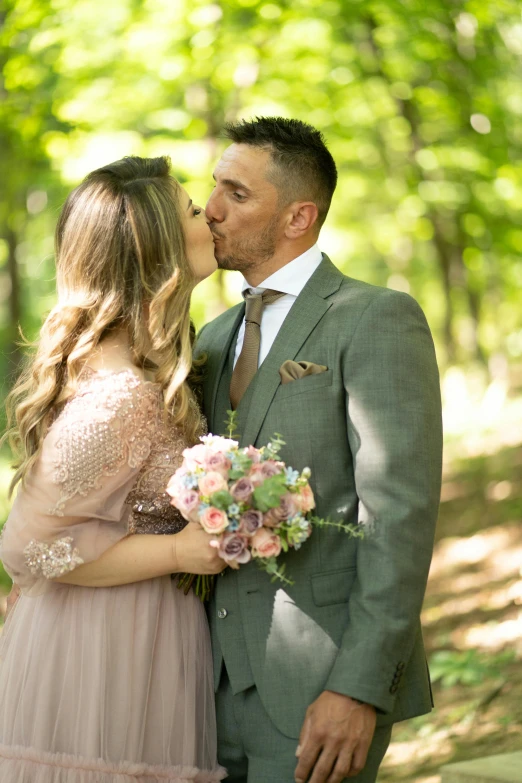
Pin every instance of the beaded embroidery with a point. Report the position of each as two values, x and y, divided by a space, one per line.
52 560
114 419
126 411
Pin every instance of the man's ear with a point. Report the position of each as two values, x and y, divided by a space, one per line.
302 216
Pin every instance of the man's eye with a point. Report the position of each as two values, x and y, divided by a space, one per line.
239 196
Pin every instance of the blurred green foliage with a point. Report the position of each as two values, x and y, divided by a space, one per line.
420 103
468 667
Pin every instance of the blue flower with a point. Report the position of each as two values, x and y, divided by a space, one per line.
234 510
190 481
292 476
233 524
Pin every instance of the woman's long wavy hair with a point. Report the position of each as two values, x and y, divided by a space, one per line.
120 246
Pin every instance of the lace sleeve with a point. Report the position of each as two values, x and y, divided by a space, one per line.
99 431
72 506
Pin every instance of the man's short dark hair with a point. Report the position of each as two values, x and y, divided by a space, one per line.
302 167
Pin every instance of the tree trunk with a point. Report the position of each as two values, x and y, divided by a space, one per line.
14 353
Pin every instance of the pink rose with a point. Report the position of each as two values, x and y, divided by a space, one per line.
211 482
265 544
187 502
242 490
250 521
216 462
212 520
256 476
233 548
176 483
195 457
253 454
304 499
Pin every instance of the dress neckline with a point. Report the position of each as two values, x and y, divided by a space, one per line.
88 373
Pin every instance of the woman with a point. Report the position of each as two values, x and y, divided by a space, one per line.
105 673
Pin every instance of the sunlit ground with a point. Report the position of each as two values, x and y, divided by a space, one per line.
472 616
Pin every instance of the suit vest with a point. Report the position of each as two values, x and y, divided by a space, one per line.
224 608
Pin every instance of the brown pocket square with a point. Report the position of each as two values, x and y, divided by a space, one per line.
293 371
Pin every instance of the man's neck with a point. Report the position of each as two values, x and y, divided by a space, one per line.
282 257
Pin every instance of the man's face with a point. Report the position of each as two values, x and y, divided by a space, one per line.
242 210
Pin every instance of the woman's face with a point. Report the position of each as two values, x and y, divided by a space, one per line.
198 237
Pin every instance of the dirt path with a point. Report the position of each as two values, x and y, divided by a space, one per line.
472 622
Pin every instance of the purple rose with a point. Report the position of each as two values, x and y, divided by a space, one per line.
285 510
242 490
187 502
233 548
216 461
251 521
270 468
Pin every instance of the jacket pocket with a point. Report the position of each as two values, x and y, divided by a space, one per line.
308 383
333 587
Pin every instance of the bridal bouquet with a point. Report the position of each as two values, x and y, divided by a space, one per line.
254 505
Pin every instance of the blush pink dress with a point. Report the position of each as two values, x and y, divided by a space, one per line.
112 684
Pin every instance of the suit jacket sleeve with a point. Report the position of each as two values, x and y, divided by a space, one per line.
395 435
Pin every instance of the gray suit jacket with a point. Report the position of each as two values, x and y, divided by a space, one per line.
369 427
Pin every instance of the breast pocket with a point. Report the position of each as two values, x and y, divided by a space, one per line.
333 587
307 384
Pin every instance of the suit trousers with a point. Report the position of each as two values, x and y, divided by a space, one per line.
253 750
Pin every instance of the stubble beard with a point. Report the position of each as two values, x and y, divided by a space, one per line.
252 252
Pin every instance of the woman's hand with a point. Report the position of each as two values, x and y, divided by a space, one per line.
193 553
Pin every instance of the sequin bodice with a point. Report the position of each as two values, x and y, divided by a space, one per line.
151 511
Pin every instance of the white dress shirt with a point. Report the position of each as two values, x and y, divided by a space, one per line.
290 280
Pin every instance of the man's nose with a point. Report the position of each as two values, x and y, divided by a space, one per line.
212 211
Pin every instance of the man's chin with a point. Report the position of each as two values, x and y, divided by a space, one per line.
228 263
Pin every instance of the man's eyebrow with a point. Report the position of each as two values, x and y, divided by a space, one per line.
234 183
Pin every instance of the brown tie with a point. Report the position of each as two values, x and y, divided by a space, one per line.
246 365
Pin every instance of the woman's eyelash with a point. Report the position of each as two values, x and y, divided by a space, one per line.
197 212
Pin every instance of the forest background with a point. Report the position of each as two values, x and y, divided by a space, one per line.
421 105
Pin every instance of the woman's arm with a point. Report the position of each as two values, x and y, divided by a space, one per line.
139 557
12 598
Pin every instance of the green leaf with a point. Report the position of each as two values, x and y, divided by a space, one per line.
221 500
268 495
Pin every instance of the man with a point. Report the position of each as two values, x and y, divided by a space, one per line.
319 670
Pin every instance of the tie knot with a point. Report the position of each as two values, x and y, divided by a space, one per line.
256 302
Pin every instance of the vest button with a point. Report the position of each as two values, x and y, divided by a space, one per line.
222 613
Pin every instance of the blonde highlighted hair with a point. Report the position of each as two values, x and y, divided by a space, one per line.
120 245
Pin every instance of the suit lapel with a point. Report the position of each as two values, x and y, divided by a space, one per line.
229 332
308 309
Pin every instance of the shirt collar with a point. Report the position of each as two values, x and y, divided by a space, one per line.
291 278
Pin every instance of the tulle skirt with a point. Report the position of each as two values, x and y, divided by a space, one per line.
107 685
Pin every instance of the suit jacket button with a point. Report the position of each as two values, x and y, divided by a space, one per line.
222 613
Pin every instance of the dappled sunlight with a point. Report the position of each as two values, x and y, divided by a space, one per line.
500 549
420 750
290 622
481 600
479 418
494 635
